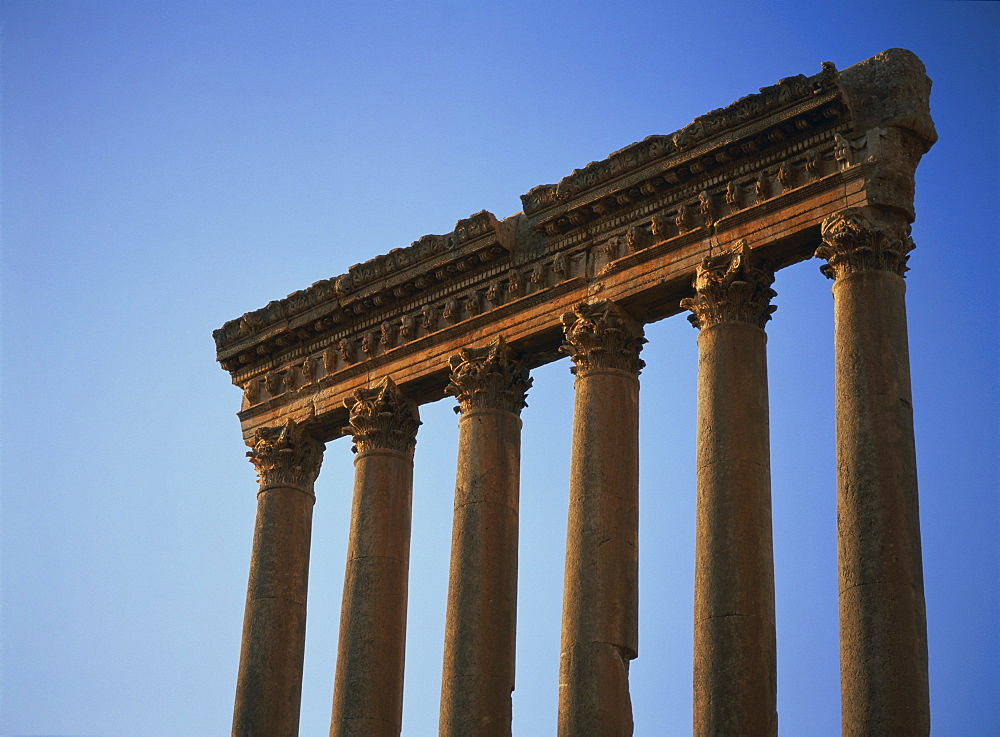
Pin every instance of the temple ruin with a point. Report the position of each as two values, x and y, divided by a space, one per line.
696 221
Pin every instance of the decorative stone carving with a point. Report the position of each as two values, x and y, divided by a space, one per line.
382 417
853 242
812 163
682 221
388 330
732 287
273 383
733 195
473 303
785 176
450 311
515 282
286 455
841 150
760 187
601 335
348 350
705 207
538 275
368 341
329 361
559 265
489 378
659 225
428 317
407 328
308 369
495 293
253 389
632 236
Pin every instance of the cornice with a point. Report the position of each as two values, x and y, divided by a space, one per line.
730 174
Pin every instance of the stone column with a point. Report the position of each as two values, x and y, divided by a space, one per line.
368 694
478 676
601 597
735 663
883 629
269 685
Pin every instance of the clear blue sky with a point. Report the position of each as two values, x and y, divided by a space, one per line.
169 166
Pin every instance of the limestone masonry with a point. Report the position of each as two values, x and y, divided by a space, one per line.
697 220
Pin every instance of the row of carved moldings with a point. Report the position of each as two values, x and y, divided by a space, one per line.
815 162
399 331
712 205
785 93
380 268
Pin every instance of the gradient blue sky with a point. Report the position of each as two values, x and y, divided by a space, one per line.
169 166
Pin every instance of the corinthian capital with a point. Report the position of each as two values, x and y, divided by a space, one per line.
852 242
382 417
601 335
286 455
489 378
732 287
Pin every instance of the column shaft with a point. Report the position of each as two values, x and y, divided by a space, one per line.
735 659
480 626
600 630
269 684
368 693
368 696
735 666
481 618
601 598
883 629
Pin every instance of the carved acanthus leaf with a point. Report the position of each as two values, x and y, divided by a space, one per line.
382 417
732 287
286 455
853 242
601 335
489 378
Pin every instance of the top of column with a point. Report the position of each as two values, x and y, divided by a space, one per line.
857 239
732 287
601 335
382 418
489 378
286 455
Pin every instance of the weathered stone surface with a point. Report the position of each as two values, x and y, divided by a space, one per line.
883 630
601 596
368 693
735 658
633 229
269 684
822 164
480 624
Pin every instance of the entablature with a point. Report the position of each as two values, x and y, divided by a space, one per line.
631 228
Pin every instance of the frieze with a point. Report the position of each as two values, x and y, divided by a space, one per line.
442 255
664 194
703 209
